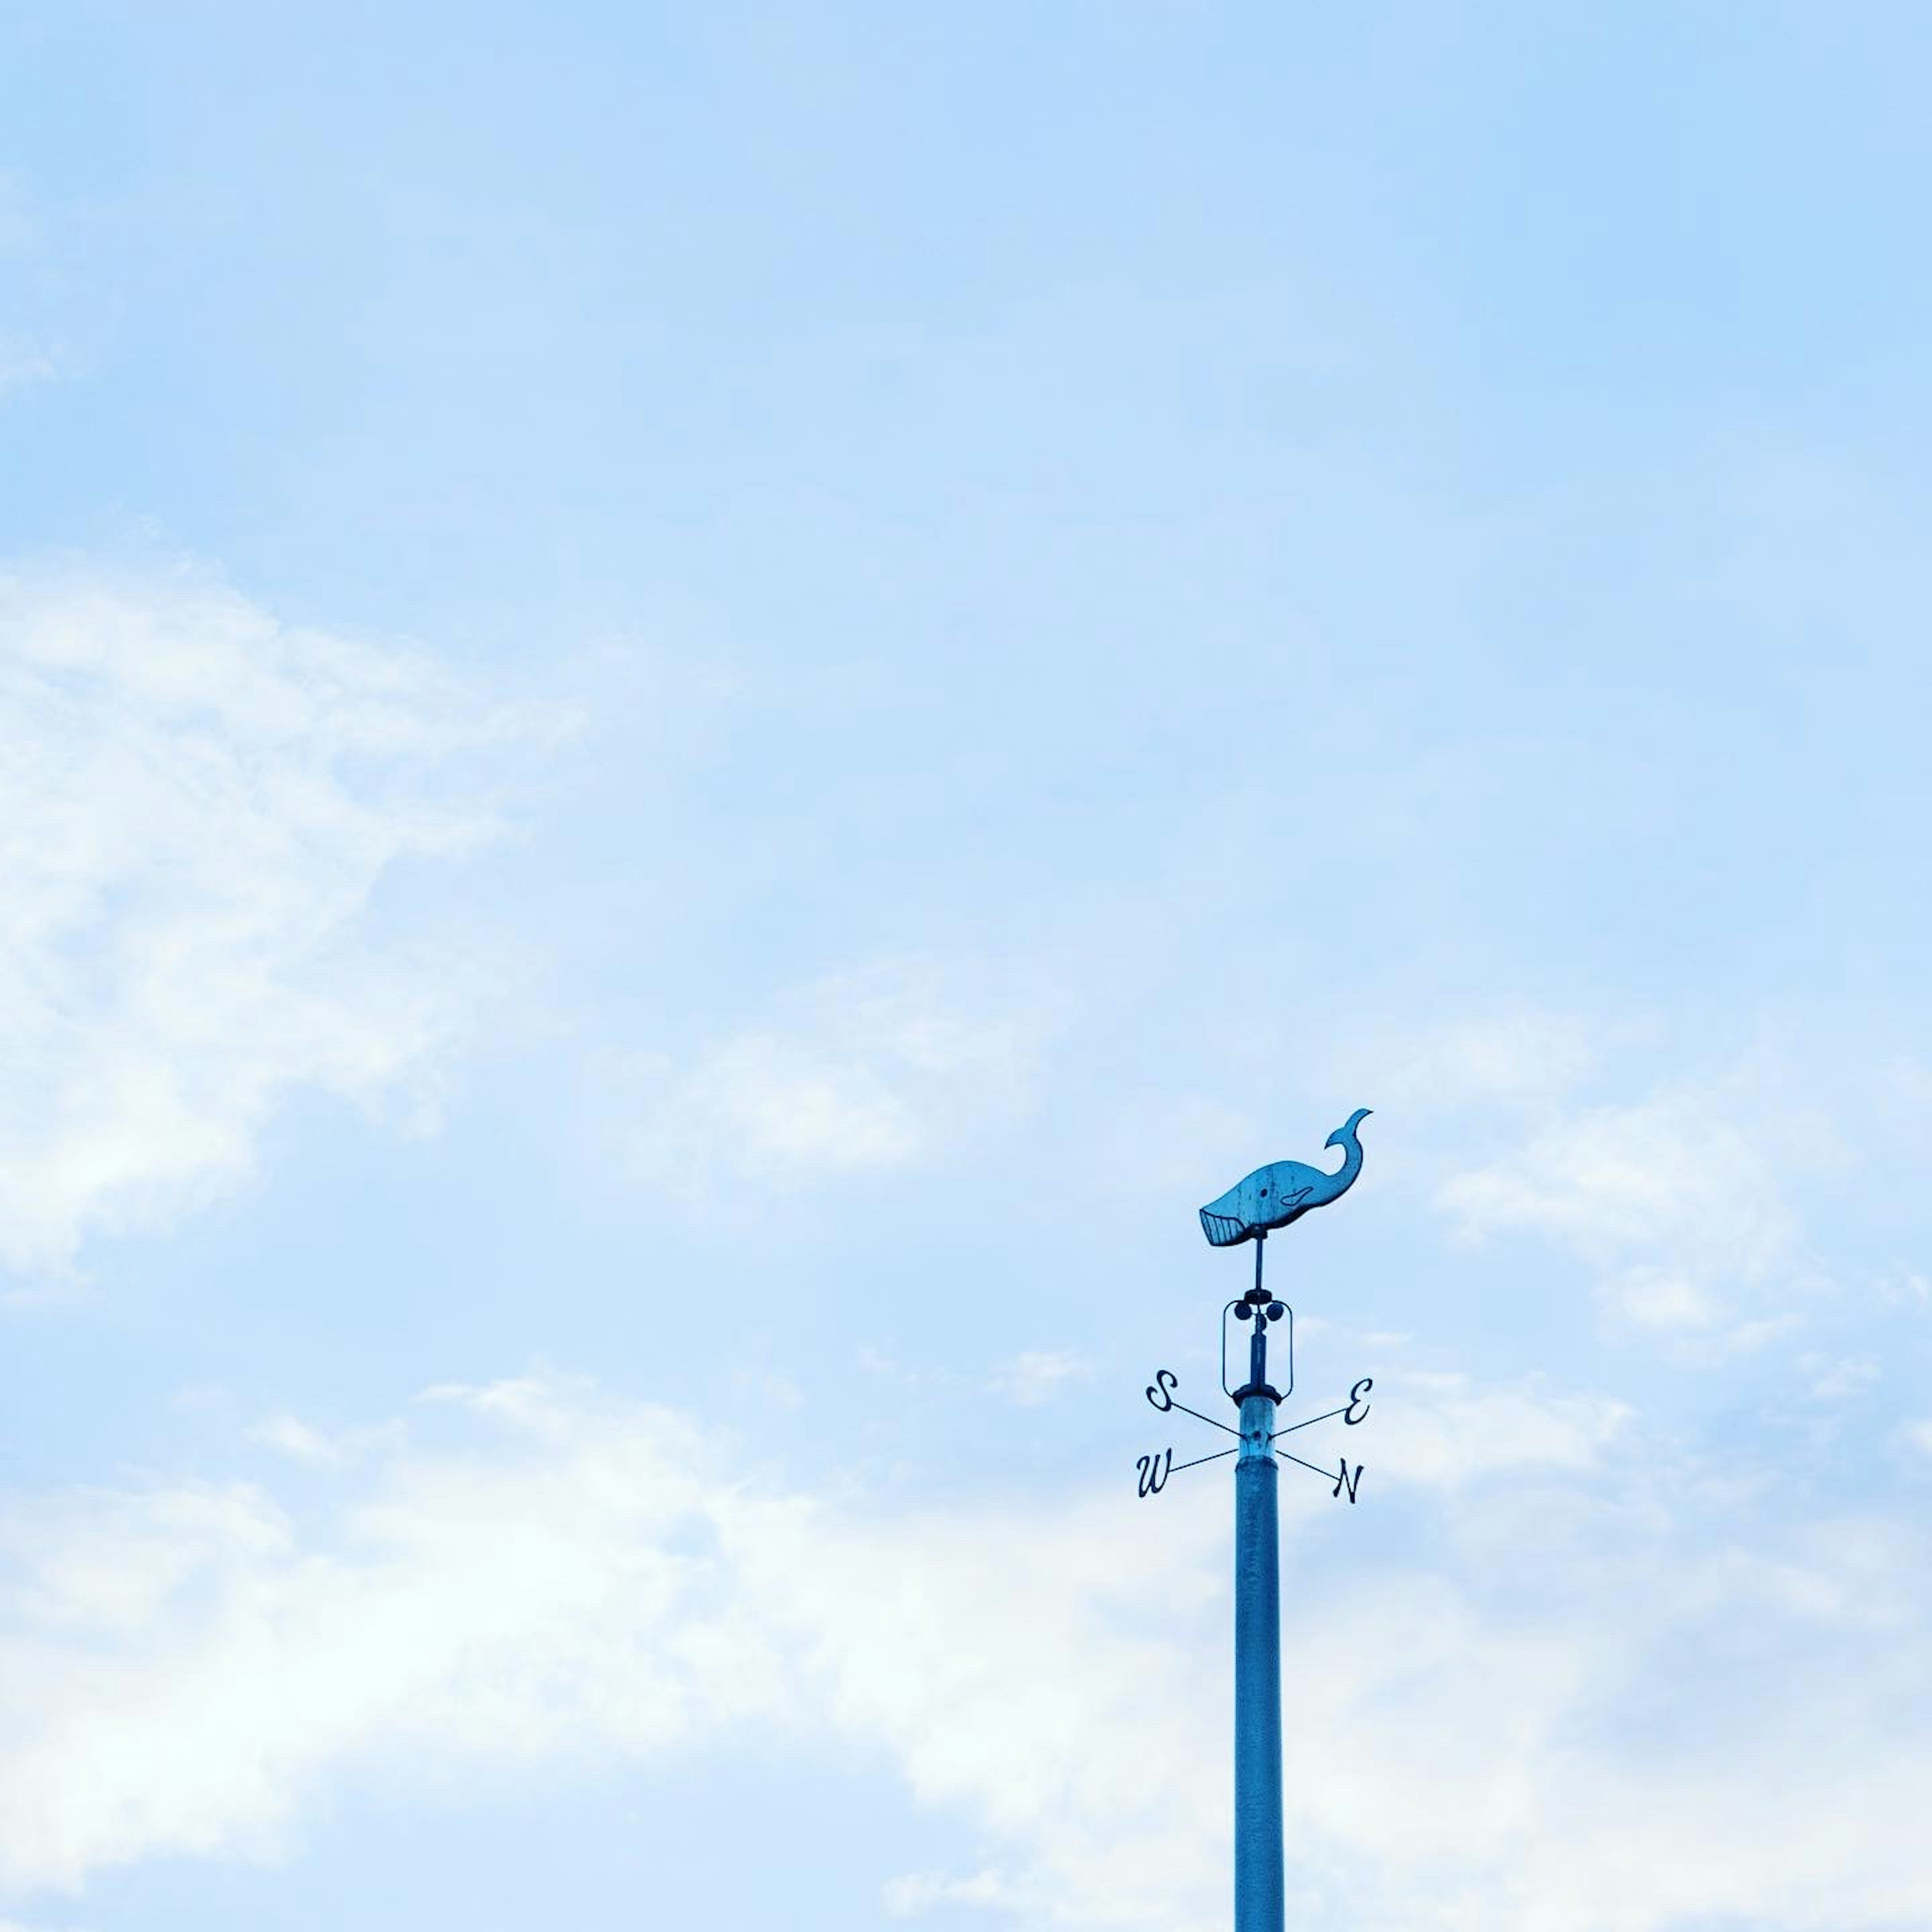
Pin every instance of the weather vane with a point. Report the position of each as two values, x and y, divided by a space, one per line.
1269 1198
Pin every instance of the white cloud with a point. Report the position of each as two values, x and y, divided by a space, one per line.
1836 1379
1037 1375
866 1071
1521 1056
920 1892
197 807
25 362
1447 1431
1906 1284
1592 1709
1681 1201
298 1442
1667 1172
289 1436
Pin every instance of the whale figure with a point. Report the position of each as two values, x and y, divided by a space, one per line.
1283 1191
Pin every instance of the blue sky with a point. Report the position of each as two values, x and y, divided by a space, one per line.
705 707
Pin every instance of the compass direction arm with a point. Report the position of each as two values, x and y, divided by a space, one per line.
1357 1400
1349 1479
1160 1392
1210 1422
1154 1470
1347 1411
1309 1424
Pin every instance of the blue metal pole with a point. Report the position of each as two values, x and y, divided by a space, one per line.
1257 1849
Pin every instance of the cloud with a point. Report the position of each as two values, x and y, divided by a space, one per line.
1590 1702
199 805
1521 1056
861 1072
25 362
1840 1378
1682 1202
1038 1375
289 1436
27 358
1611 1180
915 1892
296 1440
1447 1431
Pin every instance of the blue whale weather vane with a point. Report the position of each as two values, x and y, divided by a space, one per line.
1283 1191
1267 1200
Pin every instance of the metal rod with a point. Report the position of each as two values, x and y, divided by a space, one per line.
1326 1415
1327 1475
1258 1904
1212 1423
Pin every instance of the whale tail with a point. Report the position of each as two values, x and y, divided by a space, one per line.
1223 1231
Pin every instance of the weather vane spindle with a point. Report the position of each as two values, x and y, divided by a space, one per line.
1269 1198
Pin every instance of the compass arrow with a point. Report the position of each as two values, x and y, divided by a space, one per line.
1346 1480
1154 1473
1309 1423
1160 1393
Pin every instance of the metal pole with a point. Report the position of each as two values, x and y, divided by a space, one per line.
1258 1848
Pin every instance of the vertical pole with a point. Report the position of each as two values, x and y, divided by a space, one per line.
1257 1849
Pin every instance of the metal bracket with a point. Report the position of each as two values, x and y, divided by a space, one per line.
1249 1308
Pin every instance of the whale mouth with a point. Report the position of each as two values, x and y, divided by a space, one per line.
1222 1231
